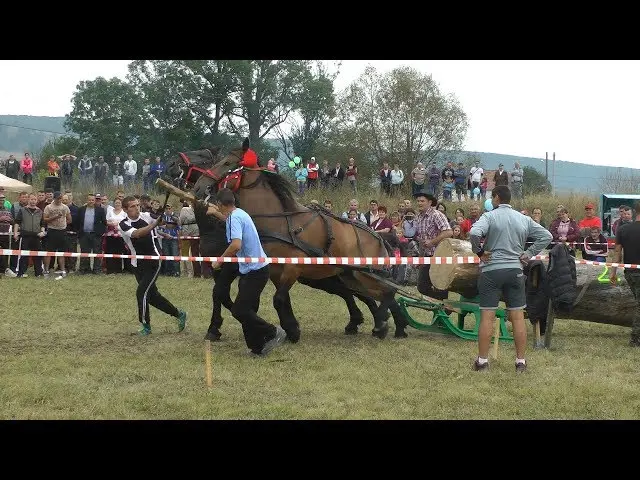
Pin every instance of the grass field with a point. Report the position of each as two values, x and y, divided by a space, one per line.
68 350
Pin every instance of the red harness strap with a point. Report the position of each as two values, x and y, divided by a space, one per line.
193 168
236 176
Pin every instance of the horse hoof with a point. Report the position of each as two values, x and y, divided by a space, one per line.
380 333
293 335
400 334
352 326
213 336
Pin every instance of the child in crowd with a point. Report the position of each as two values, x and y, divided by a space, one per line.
409 224
447 187
301 178
594 247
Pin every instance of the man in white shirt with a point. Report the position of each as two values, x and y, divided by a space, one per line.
130 170
476 174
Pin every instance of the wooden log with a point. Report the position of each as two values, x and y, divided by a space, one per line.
182 195
461 278
600 302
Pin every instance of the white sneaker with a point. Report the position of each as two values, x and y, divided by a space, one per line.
10 273
59 277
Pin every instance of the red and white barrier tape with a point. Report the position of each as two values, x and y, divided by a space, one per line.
298 260
610 243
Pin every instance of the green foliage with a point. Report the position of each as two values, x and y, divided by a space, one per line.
109 115
266 94
316 108
535 182
400 116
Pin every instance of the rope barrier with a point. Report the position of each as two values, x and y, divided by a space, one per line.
299 260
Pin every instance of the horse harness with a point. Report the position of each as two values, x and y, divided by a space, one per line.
194 168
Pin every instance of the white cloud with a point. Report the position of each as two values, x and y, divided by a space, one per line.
583 110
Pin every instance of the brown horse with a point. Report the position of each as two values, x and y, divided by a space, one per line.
186 168
289 229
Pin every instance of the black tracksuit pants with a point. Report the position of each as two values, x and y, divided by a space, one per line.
147 293
257 331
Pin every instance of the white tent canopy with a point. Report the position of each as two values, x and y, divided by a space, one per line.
13 185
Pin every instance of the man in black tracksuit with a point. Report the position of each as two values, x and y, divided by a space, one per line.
139 233
213 243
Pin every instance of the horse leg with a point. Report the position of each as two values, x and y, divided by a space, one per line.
399 319
282 306
361 284
334 286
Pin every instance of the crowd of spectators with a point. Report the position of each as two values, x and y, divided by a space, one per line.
52 221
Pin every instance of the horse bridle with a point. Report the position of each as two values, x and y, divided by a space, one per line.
193 168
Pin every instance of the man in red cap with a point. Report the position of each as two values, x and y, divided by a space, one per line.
589 220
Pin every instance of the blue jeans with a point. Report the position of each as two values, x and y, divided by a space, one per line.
170 247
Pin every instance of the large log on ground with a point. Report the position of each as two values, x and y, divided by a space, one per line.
602 302
599 303
461 278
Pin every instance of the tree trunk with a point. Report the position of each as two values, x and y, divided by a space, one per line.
461 278
600 302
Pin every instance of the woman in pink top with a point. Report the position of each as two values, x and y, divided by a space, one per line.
26 164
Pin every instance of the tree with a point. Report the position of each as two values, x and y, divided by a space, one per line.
187 100
266 94
619 181
108 115
400 116
315 109
534 182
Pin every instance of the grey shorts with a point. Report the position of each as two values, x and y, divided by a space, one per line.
507 284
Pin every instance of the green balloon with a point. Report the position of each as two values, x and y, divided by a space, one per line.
292 165
296 159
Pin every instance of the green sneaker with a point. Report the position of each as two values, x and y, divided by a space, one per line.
182 320
145 330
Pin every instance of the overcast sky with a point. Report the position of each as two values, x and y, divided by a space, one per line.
585 111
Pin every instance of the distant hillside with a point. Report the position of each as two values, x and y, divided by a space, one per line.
569 176
28 133
22 133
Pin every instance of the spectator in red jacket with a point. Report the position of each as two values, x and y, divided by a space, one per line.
312 173
26 164
589 220
474 214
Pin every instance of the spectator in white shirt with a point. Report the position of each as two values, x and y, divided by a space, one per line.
397 177
130 170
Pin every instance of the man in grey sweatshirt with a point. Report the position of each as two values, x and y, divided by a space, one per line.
498 237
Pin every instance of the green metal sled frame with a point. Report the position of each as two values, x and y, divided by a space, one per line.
441 323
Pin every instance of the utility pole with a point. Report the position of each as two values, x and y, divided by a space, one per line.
553 185
546 165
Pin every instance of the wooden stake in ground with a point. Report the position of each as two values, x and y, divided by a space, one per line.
496 339
207 363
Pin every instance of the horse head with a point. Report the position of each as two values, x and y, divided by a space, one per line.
184 169
234 159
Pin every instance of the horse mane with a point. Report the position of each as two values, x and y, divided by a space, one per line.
283 189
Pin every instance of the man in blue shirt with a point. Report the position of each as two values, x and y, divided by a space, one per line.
261 337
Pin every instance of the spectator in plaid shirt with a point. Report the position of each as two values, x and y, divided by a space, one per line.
432 227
